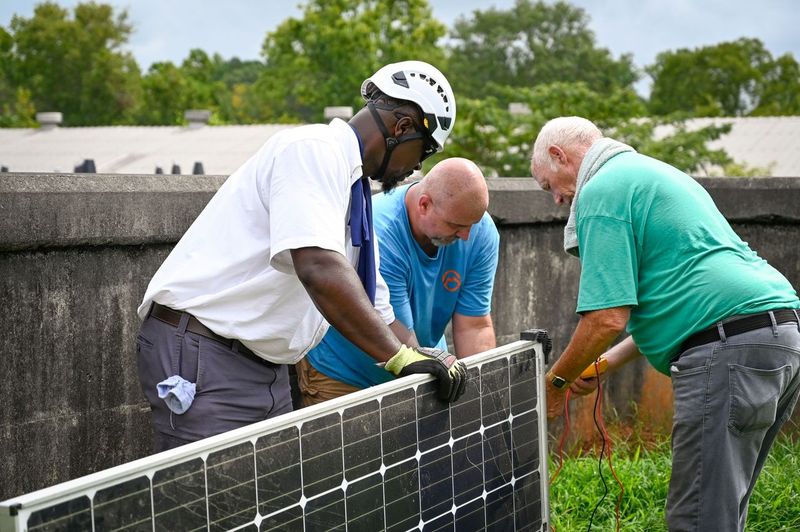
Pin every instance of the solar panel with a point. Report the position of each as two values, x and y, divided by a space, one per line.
393 457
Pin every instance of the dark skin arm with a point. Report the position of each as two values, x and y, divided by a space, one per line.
338 294
403 334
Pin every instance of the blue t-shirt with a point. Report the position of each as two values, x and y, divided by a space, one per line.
424 291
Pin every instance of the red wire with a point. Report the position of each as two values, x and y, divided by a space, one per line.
603 433
607 438
563 438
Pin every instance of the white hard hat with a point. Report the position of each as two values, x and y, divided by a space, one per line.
426 86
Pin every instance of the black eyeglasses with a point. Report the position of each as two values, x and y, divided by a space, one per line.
428 149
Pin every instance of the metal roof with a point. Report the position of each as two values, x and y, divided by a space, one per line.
132 149
770 142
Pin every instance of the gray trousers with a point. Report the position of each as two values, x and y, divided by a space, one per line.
232 390
731 398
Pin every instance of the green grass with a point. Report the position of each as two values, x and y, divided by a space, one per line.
644 471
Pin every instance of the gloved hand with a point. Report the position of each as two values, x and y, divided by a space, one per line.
450 372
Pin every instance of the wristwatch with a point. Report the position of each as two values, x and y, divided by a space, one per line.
558 383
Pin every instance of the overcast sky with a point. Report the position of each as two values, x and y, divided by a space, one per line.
168 29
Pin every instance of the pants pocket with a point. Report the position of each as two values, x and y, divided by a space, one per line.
689 388
754 396
142 342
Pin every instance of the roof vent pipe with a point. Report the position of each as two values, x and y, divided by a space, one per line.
49 120
197 118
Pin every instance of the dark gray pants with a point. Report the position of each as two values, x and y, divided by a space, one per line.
232 389
731 398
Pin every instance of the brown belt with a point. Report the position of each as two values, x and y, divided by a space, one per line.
173 317
734 327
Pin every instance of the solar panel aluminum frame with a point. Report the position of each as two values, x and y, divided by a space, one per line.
15 512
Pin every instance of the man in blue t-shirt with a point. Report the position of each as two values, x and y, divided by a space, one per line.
438 250
659 260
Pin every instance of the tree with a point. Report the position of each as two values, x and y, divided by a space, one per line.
533 43
321 59
164 95
726 79
76 65
201 82
779 93
16 108
501 142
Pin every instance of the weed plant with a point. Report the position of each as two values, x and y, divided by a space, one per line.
643 467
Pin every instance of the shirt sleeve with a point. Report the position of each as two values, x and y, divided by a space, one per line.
308 198
609 264
382 298
475 296
395 268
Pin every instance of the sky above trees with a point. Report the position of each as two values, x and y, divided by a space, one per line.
166 31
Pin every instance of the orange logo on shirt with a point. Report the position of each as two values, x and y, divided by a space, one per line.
451 280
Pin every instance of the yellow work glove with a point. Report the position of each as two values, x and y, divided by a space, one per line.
449 371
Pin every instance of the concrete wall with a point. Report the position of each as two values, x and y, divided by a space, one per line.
77 251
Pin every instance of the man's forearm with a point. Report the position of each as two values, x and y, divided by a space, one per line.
473 334
594 334
622 353
404 334
336 290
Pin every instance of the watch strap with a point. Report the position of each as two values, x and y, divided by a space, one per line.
558 382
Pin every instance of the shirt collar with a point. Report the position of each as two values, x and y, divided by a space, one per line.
351 148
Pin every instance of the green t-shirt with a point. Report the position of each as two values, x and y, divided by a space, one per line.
651 238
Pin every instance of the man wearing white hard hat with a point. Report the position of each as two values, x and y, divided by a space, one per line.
283 249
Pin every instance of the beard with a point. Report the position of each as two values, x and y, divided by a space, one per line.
389 183
442 242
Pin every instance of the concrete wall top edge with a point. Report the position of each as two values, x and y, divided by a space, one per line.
56 210
15 183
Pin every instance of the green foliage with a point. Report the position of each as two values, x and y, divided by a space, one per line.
779 92
484 132
645 475
726 79
201 82
76 65
530 44
734 169
501 143
322 58
17 109
164 92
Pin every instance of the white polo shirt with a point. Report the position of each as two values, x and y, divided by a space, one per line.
233 270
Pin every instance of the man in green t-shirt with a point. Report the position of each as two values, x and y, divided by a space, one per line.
660 261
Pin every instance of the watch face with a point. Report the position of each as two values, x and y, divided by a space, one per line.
558 382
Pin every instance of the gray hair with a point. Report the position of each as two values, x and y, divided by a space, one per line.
566 132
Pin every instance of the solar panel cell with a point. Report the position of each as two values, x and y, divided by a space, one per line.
365 504
321 455
179 497
361 432
231 482
278 466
